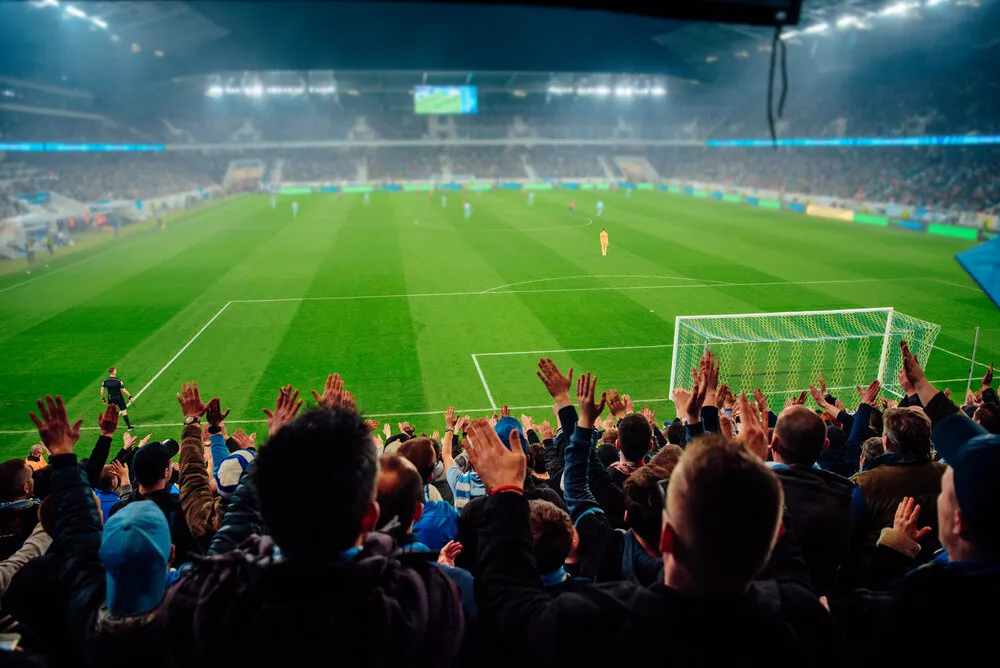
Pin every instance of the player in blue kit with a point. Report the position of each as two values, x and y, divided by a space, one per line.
367 199
295 209
467 208
600 208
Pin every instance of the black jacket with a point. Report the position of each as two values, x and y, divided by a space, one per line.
185 546
17 521
776 623
818 505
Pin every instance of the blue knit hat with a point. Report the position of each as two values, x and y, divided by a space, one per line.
135 553
507 425
974 454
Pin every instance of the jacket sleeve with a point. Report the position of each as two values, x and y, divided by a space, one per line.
242 518
553 454
36 545
606 491
710 418
202 508
661 440
990 396
576 481
509 595
219 450
76 542
98 458
860 431
693 430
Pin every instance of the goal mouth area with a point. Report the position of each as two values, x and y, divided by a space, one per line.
782 353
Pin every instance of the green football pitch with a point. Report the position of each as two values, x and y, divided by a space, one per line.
419 308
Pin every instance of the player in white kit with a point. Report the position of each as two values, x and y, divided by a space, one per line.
600 208
467 208
444 201
274 202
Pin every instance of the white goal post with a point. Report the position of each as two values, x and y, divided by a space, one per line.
783 353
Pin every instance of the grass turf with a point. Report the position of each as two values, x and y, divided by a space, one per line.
398 296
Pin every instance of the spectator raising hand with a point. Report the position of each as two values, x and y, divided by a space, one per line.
54 428
753 428
557 384
500 469
285 408
586 386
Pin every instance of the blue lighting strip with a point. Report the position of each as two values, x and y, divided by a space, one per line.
38 147
938 140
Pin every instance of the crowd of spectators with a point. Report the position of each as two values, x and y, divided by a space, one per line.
735 533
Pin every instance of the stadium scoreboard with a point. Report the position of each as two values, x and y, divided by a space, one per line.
445 100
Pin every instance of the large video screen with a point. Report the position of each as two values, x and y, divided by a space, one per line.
445 100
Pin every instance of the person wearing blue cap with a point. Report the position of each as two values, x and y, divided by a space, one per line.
115 580
951 595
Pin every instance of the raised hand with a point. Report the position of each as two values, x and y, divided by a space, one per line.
586 386
448 553
387 430
988 378
504 411
108 421
463 424
245 442
905 383
333 392
557 384
449 418
680 397
796 401
120 471
629 406
753 430
546 429
758 396
407 428
527 423
911 367
285 408
905 521
870 393
725 397
190 400
214 414
710 373
822 385
650 416
496 465
372 425
615 404
54 428
692 410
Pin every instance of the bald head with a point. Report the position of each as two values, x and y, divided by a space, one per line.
799 436
400 491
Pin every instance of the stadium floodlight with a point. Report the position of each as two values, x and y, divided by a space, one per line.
560 90
658 91
73 11
783 353
214 91
322 90
254 91
932 3
99 23
899 8
819 27
791 34
848 21
624 91
602 90
46 3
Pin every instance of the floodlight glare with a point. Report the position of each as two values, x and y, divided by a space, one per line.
99 23
73 11
819 27
658 91
898 9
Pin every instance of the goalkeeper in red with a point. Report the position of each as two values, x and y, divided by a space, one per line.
116 394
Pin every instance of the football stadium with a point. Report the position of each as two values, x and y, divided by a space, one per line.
560 254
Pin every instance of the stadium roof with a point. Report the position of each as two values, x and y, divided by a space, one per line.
117 48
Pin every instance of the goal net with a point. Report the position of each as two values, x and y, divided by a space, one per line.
783 353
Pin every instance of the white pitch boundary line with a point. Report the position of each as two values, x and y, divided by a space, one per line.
961 357
567 278
416 222
555 290
489 395
181 351
658 400
954 285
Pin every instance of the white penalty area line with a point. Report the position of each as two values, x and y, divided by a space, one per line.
606 288
181 351
489 395
470 411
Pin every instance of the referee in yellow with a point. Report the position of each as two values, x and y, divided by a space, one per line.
604 241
